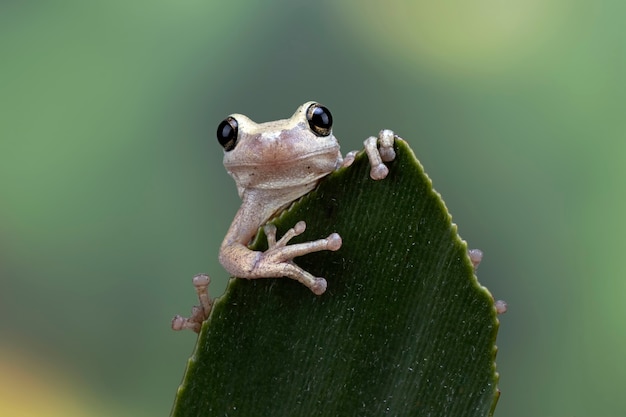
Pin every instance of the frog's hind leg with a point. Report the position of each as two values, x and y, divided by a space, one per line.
198 313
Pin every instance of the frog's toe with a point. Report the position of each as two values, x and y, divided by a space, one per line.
178 322
386 139
379 172
270 232
334 242
348 159
319 286
501 306
387 154
475 255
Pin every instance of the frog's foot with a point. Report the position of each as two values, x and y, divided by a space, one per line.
475 255
380 149
278 259
198 313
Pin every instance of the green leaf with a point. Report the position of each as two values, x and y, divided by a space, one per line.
404 329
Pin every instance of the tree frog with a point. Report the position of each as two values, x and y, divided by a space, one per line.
274 164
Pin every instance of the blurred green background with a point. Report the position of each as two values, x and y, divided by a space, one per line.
112 191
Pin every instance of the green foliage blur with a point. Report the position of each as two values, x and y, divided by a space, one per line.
112 192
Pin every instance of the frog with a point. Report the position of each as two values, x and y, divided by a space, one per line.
274 164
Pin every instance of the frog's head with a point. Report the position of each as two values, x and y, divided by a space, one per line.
293 152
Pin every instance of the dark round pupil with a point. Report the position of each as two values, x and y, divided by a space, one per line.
320 120
227 133
321 117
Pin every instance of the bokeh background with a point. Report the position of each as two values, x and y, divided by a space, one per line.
112 191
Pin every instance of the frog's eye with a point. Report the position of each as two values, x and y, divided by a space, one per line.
320 120
227 133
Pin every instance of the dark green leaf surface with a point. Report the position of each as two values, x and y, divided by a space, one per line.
404 328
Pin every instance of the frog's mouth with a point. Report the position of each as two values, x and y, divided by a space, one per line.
279 153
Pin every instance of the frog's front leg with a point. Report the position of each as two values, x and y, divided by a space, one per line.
379 150
277 260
